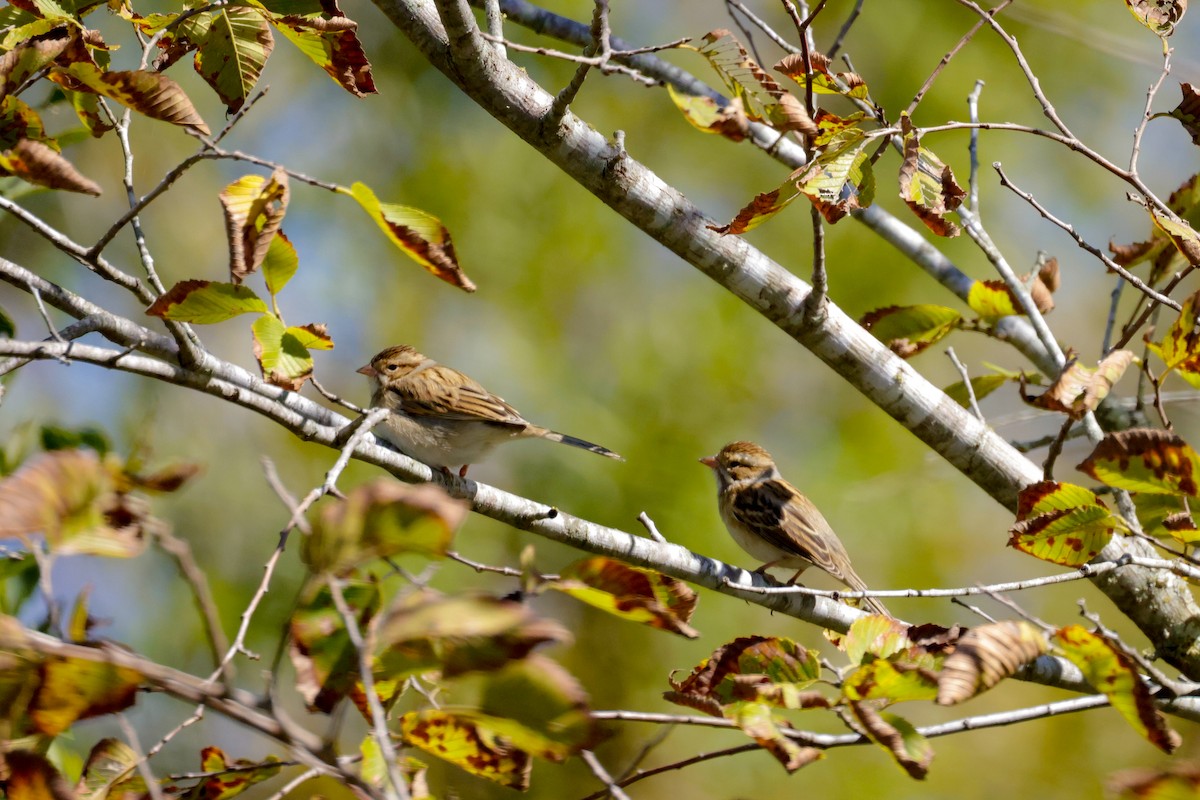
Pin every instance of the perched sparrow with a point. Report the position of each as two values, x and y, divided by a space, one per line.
442 417
772 521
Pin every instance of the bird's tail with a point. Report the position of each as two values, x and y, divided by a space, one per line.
856 583
555 436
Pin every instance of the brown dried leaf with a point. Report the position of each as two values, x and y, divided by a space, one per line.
763 98
639 595
1160 16
911 750
1188 111
41 164
986 655
254 208
927 185
1078 389
146 92
32 777
1145 460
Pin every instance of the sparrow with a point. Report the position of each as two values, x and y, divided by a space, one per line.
442 417
771 520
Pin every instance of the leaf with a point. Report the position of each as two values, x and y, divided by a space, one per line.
420 235
891 681
1115 674
32 777
111 772
150 93
70 497
312 336
908 330
1180 345
1188 111
1062 523
1160 16
830 125
758 722
42 165
986 655
755 668
760 209
981 387
233 54
993 299
87 108
1166 515
846 84
72 689
875 636
55 437
325 660
1164 257
548 703
703 113
1078 389
1180 233
381 519
1145 460
233 777
927 185
280 263
254 207
638 595
459 634
910 749
206 302
466 741
23 61
839 179
1175 782
283 360
332 44
763 99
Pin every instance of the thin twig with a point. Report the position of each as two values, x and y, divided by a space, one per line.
650 527
845 29
602 775
379 729
1055 450
973 112
966 378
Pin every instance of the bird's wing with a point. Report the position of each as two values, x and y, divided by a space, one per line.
445 393
780 515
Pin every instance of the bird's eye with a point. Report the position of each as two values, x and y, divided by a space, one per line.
391 367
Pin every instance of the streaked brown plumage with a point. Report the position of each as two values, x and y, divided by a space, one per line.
444 418
772 521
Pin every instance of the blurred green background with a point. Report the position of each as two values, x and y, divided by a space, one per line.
591 328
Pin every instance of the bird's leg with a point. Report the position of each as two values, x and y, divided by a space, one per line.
462 472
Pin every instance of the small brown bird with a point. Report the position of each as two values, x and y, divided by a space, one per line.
771 520
442 417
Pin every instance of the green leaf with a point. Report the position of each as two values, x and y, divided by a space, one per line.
751 668
325 660
638 595
380 519
55 437
703 113
907 330
312 336
459 634
8 328
846 84
228 779
73 689
280 263
206 302
885 680
1145 460
1062 523
547 702
233 54
284 361
840 178
875 637
468 740
763 726
1180 345
111 772
150 93
332 44
1115 674
420 235
981 387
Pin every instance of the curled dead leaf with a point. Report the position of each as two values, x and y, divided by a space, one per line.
986 655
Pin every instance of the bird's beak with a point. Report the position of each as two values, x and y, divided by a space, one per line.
709 461
368 370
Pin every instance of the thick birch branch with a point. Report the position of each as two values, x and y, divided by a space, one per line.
1160 605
